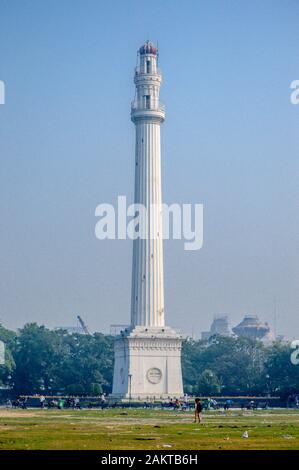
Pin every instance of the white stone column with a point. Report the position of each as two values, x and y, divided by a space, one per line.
147 298
148 355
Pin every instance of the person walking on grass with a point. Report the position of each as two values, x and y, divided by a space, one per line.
198 410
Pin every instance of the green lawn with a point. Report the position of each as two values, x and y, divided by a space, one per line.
147 429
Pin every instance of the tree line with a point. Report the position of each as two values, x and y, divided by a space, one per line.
40 360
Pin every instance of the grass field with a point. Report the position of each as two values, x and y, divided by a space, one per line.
147 429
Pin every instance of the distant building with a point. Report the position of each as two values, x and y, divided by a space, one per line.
218 327
252 327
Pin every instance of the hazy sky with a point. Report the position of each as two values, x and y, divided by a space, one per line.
230 141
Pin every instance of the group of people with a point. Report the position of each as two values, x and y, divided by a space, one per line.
60 403
185 404
174 403
69 402
20 402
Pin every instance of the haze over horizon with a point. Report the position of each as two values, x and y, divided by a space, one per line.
230 142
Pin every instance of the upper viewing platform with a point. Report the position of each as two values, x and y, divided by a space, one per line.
147 64
147 78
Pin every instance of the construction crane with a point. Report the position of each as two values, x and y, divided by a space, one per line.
83 326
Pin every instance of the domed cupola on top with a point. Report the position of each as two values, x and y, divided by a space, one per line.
148 48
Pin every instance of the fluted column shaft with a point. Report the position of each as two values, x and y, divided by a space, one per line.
147 302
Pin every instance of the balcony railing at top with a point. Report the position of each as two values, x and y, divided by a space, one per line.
138 72
135 106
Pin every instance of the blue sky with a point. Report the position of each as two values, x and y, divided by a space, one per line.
230 141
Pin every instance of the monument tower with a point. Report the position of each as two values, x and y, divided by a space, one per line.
148 354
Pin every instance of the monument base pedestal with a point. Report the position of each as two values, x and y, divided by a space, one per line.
147 364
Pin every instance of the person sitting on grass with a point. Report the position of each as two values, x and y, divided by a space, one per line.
198 410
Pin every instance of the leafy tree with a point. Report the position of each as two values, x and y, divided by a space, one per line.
37 353
208 383
88 360
282 375
191 353
7 336
39 360
96 389
238 363
56 361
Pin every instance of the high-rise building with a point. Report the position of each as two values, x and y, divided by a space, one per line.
252 327
219 327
